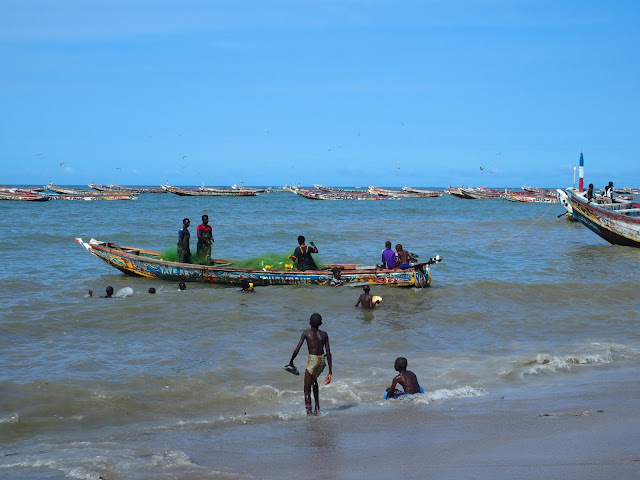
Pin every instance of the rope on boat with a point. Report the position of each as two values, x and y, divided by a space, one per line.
536 221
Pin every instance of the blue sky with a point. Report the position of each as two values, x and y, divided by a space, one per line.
392 93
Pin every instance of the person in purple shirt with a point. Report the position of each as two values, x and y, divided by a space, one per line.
388 256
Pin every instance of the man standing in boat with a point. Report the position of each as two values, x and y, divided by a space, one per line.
184 254
302 255
205 239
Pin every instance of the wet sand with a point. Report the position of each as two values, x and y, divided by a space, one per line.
589 433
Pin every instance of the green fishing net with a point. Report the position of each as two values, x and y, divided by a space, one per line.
268 261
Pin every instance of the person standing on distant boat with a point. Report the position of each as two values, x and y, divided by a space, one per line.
388 256
205 239
184 254
302 255
317 343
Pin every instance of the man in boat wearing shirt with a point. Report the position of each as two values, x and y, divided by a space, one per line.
205 239
184 253
302 255
388 256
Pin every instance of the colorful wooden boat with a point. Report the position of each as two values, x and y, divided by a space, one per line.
150 264
420 192
126 190
618 222
326 194
207 192
17 194
66 193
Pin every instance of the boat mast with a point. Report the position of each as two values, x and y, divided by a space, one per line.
581 174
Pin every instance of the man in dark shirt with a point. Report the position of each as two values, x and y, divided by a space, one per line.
184 254
302 255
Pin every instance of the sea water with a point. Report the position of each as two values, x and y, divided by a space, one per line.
524 303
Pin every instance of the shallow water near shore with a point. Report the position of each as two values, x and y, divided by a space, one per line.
524 305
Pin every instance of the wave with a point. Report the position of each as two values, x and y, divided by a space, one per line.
596 355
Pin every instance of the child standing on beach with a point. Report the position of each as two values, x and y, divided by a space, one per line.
317 343
406 378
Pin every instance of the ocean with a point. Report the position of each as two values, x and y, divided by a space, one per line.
190 384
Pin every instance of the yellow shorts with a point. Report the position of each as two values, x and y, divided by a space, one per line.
315 365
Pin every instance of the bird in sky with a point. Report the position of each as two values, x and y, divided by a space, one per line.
499 153
481 168
61 163
185 156
118 168
37 154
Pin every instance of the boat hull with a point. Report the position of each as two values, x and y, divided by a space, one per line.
149 264
618 224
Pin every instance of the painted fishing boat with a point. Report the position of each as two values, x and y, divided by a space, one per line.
324 194
459 192
618 222
150 264
127 190
248 189
420 192
207 192
16 194
530 196
66 193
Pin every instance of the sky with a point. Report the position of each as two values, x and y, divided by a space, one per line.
496 93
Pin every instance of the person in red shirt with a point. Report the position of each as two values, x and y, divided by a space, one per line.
205 239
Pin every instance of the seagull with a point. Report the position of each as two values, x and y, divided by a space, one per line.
118 168
402 123
185 156
499 153
481 168
37 154
61 163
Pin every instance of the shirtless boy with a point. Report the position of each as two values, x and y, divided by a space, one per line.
317 343
366 299
406 378
403 257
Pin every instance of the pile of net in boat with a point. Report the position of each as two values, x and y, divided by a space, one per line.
268 261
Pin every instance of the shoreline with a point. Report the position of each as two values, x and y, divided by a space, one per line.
587 433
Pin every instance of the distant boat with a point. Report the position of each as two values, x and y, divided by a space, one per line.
327 193
618 222
23 195
208 192
150 264
122 189
65 193
419 192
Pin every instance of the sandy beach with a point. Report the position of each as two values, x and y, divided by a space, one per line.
591 433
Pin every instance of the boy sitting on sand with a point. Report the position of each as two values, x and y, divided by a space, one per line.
406 378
